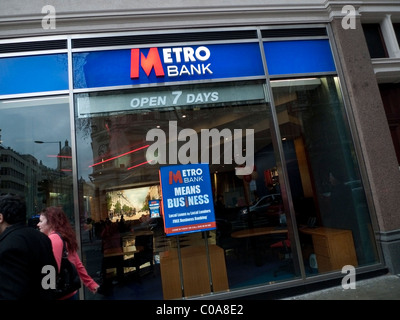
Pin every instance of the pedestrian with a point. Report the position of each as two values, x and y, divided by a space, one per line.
24 251
54 223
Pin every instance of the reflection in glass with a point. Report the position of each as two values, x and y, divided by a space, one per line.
36 159
113 166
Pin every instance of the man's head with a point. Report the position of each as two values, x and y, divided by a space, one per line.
12 210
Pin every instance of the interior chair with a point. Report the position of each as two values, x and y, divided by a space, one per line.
144 245
284 249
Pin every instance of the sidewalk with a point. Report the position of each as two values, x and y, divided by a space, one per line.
383 287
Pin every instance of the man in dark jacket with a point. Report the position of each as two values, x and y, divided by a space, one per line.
24 251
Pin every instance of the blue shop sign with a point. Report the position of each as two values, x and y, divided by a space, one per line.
187 200
136 66
299 57
30 74
166 64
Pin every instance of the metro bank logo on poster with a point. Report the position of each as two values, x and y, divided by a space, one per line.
188 204
178 61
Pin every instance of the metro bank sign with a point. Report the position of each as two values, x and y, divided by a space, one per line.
178 61
187 199
166 64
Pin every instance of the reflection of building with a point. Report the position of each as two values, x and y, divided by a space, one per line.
88 207
65 159
54 184
40 185
110 141
20 174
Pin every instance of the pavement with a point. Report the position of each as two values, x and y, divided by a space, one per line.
381 287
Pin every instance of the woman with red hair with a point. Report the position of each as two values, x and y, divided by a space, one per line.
54 223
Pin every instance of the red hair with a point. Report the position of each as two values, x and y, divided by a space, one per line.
58 221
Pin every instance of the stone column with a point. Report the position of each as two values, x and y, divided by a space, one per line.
366 108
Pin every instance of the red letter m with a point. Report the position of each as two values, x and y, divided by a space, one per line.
147 63
175 177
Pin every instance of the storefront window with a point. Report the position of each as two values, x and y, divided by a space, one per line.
330 205
117 178
36 157
289 198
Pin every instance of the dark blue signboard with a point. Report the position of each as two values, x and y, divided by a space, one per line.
187 200
33 74
299 56
166 64
137 66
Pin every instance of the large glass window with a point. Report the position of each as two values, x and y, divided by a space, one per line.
326 187
117 179
254 243
375 42
36 157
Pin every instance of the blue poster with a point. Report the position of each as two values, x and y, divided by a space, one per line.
187 200
154 207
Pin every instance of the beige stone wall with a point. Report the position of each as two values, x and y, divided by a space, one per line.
24 18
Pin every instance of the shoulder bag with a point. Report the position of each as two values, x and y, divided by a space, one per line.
68 279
